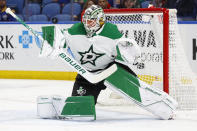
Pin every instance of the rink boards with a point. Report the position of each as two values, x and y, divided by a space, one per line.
19 51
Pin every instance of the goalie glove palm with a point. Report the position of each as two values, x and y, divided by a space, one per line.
127 50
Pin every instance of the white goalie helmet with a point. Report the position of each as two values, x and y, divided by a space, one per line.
93 19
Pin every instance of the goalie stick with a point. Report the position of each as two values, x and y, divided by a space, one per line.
91 77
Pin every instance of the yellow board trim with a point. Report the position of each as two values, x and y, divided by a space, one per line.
150 79
47 75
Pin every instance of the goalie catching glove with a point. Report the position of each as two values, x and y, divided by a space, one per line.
127 51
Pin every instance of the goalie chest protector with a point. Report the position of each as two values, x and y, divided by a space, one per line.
96 52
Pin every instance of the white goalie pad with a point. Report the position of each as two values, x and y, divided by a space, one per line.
157 101
66 108
144 95
50 107
161 105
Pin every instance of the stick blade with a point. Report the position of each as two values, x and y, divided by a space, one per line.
102 75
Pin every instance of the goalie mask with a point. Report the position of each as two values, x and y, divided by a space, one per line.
93 19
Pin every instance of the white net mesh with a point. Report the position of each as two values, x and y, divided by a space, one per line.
146 27
183 85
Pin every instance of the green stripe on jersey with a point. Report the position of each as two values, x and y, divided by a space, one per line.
119 56
77 29
111 31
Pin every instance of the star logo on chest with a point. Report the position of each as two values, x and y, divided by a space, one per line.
90 56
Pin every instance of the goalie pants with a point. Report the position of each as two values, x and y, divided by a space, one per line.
82 87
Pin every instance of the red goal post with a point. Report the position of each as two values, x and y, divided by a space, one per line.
165 13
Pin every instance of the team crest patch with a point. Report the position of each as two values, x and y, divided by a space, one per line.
81 91
89 56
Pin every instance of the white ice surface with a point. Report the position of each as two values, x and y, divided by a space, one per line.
18 112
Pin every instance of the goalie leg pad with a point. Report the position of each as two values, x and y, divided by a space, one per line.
80 108
57 107
50 107
152 99
45 108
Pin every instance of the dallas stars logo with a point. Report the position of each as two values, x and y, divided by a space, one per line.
89 56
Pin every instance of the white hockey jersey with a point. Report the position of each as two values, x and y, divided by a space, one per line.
96 52
93 53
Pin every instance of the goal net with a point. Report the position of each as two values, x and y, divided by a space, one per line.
163 62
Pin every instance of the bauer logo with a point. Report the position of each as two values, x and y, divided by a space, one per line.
25 39
72 63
